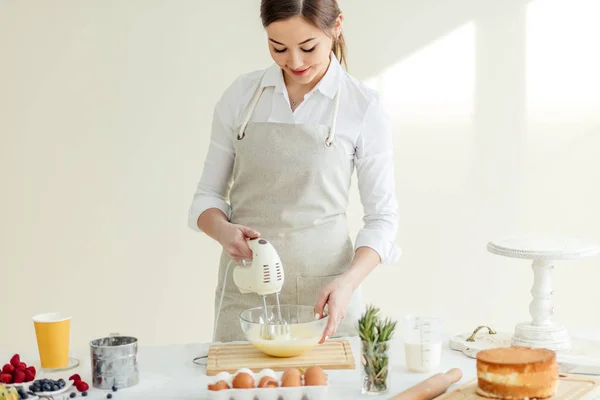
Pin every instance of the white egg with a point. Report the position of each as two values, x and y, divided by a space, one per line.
267 372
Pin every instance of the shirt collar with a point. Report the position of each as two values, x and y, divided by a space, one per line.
328 85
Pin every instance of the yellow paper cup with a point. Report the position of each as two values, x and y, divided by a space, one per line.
53 331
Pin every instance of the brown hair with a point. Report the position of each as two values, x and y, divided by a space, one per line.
320 13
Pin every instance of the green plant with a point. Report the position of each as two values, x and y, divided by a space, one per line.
375 334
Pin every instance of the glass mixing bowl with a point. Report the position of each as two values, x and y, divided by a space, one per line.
305 330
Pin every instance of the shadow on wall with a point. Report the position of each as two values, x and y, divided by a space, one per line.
473 154
452 74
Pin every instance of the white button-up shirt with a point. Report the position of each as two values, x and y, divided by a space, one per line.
362 127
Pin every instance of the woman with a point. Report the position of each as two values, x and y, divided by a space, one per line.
284 144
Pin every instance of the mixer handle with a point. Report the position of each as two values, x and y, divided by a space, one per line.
472 337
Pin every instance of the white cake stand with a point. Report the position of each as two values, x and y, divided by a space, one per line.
541 331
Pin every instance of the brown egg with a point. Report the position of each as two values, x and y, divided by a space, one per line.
243 381
315 376
221 385
291 378
267 382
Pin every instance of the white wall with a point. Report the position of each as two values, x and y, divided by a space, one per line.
105 111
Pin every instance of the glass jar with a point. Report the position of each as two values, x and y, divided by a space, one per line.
375 359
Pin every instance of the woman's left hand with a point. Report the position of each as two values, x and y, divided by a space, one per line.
336 295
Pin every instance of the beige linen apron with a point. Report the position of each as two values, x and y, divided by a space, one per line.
290 183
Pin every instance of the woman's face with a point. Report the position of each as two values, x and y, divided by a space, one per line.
301 49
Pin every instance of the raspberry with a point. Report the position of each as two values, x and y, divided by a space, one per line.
75 377
19 376
6 378
8 369
15 360
29 376
81 386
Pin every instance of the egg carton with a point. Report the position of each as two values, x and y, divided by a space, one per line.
256 393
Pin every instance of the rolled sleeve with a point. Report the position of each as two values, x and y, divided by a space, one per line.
213 188
376 185
380 242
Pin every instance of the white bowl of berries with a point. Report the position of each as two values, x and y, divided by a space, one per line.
18 381
17 373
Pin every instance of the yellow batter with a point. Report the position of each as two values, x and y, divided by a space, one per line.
302 338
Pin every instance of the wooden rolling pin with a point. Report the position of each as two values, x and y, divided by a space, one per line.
431 387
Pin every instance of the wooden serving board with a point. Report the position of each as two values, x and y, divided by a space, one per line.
570 387
333 354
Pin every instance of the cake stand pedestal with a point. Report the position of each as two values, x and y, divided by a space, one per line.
541 330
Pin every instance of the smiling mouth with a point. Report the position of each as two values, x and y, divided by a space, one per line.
299 71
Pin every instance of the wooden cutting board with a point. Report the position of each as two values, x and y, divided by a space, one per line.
229 357
570 387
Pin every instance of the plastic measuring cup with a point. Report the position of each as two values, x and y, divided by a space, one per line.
422 343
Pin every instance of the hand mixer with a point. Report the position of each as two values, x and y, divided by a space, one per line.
264 276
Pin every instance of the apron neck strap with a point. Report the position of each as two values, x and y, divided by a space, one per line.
253 103
336 106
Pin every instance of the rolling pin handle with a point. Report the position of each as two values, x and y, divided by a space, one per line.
455 375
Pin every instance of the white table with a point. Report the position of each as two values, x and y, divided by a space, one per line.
167 372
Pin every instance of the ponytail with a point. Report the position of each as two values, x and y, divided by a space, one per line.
340 50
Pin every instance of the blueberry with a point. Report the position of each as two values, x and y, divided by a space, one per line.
84 394
31 387
73 394
47 387
109 396
55 388
114 388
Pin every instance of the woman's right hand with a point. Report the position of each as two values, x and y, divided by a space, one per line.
234 238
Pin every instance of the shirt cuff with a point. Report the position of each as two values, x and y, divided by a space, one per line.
201 204
388 251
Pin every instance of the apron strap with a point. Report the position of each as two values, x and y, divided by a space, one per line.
336 106
253 103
